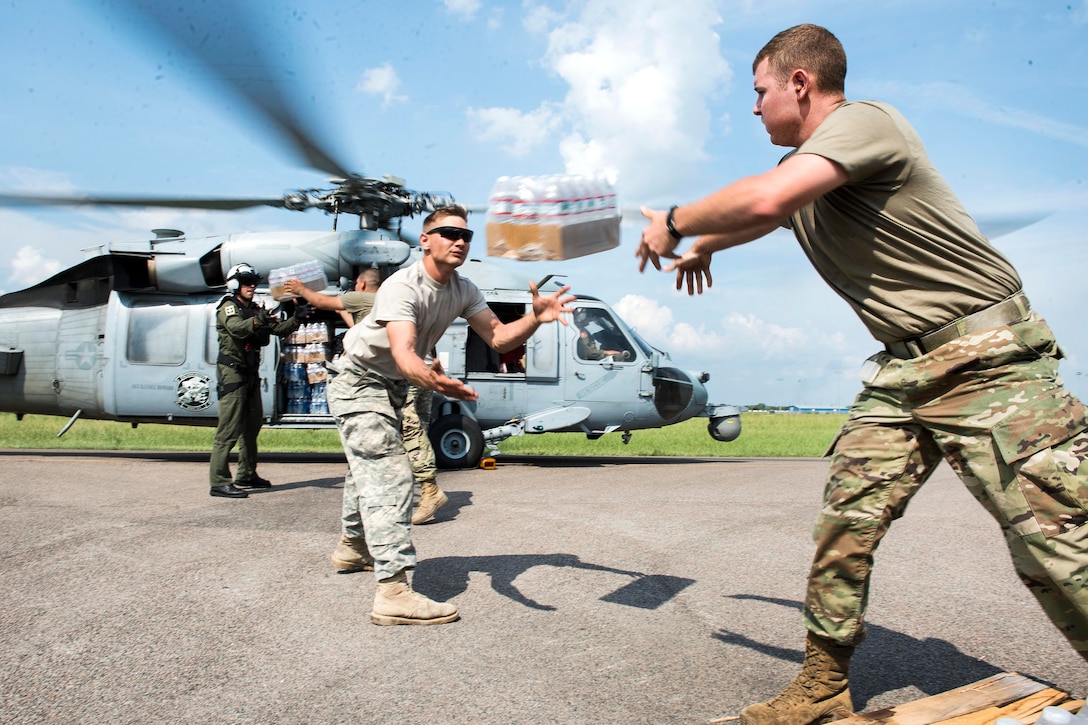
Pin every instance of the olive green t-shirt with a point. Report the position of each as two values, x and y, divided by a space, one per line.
894 241
357 304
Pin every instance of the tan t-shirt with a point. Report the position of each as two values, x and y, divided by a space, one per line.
412 295
894 241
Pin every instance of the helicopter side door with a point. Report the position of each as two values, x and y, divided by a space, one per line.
164 356
157 352
81 358
605 368
511 384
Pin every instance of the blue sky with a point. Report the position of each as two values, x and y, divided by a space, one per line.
451 95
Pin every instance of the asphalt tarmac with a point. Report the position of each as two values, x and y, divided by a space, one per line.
590 591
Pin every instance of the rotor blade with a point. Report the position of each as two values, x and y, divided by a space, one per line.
226 44
7 200
998 225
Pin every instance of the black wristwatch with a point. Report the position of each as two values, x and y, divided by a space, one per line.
670 225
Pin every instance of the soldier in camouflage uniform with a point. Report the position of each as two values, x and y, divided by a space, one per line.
385 352
416 414
244 327
969 373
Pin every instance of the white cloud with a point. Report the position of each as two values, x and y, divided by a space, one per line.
774 340
656 324
382 81
538 18
29 267
746 335
518 132
639 74
647 317
465 8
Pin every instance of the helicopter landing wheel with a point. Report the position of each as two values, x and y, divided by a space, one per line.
457 440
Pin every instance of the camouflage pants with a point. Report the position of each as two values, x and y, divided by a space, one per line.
378 490
992 406
416 421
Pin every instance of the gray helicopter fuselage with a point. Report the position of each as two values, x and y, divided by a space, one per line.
129 335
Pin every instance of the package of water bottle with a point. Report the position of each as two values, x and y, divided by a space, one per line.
298 389
560 216
311 274
318 402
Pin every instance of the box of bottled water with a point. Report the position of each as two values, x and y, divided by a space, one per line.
552 217
311 274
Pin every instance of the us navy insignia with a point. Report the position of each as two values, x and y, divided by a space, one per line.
193 391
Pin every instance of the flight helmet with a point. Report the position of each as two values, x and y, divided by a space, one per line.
241 274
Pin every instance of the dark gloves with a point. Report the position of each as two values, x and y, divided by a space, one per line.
264 319
303 310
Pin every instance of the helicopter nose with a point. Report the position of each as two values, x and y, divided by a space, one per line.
678 395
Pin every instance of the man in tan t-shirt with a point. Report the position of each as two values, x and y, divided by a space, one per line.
416 415
968 373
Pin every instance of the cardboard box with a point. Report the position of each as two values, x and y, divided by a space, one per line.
537 242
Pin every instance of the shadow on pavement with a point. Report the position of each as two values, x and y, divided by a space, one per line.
443 578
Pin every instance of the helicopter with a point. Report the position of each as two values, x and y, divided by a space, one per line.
128 334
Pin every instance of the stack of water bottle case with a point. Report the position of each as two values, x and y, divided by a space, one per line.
304 358
534 218
307 348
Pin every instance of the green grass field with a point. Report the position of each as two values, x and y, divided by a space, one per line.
764 435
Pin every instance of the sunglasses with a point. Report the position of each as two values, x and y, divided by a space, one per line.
453 233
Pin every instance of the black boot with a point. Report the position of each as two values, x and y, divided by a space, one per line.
255 482
228 491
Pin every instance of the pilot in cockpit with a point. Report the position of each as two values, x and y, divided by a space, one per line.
590 345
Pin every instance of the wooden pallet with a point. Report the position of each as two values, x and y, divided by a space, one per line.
1007 694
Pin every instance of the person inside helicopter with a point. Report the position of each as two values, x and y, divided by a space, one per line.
598 338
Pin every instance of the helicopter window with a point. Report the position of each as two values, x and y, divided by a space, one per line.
157 334
480 358
599 337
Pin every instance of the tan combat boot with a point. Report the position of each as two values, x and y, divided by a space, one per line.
396 603
431 498
820 693
351 554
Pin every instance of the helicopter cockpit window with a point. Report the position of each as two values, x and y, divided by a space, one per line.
157 333
599 337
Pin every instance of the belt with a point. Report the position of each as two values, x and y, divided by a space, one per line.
1006 312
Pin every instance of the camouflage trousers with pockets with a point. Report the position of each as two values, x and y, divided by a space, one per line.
991 405
416 420
378 489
